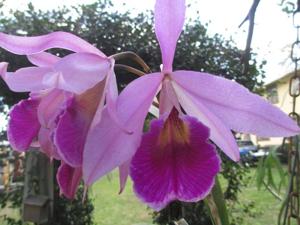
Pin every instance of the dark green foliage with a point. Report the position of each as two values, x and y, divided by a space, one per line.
75 212
11 200
269 167
194 213
236 176
66 212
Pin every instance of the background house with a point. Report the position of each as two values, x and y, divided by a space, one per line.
277 92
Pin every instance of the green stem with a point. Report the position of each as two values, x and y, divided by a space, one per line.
275 194
217 206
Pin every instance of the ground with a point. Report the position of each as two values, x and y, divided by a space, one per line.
112 208
126 209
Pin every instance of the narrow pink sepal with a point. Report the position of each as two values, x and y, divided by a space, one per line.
76 73
68 179
27 79
117 146
43 59
3 68
123 175
167 99
31 45
239 109
220 134
111 100
169 18
23 124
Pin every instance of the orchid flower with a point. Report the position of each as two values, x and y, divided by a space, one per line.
175 159
67 94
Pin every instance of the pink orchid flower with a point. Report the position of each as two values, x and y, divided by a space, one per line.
67 94
175 160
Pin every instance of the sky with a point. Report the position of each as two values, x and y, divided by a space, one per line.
273 34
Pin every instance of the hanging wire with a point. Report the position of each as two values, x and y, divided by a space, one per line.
289 213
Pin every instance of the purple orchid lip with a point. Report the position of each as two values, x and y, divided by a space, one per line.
68 179
23 125
74 123
175 161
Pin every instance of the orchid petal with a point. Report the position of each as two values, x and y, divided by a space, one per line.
31 45
74 123
35 144
168 99
123 175
68 179
43 59
174 161
117 146
78 72
239 109
46 143
3 68
75 73
26 79
169 19
51 106
111 100
23 125
220 134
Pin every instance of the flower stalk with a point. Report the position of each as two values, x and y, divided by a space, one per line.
129 69
134 57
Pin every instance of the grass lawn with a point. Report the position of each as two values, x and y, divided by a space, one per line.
114 209
126 209
266 206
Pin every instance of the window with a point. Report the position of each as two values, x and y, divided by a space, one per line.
263 139
272 94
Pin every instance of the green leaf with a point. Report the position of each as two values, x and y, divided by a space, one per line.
271 181
267 168
281 172
260 173
217 206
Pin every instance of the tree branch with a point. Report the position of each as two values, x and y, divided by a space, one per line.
250 16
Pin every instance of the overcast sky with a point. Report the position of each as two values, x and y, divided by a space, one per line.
273 33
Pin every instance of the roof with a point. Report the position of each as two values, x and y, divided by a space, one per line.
282 77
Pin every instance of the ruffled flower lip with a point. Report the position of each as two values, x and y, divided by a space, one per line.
175 161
